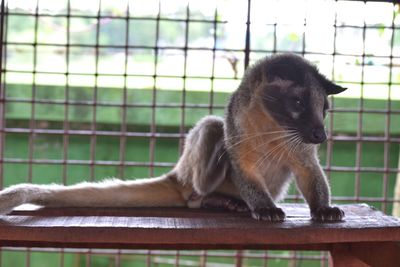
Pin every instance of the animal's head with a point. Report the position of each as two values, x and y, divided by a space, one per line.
295 94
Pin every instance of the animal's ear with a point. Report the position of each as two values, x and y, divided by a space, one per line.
330 87
333 89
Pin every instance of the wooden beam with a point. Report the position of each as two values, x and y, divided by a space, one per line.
365 254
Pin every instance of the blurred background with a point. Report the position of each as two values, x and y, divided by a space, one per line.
100 88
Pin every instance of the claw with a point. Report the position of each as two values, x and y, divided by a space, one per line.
327 214
269 214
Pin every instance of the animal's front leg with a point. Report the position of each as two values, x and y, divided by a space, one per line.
260 202
314 186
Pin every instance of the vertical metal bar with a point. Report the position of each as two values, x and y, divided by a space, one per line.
2 15
66 109
148 258
117 259
239 258
3 52
93 126
330 142
303 44
88 258
203 258
177 258
183 102
2 89
32 122
324 258
265 259
360 120
62 257
93 137
212 78
153 127
122 141
122 148
248 37
298 197
386 145
66 97
275 37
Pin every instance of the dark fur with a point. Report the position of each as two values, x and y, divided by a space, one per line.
271 89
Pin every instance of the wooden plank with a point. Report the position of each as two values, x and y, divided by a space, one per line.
341 256
377 253
366 254
190 228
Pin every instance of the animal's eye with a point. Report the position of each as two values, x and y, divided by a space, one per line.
297 104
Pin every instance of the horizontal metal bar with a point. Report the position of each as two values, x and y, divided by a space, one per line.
87 162
133 47
174 135
91 133
360 169
380 139
111 104
366 110
184 20
362 199
125 17
365 1
217 49
350 199
34 72
170 164
171 105
186 253
122 75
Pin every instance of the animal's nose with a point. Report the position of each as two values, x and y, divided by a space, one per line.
318 135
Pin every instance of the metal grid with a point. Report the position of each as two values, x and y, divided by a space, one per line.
79 123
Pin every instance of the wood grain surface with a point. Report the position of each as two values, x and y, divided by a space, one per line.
180 228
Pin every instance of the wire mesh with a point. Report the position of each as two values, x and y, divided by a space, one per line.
101 88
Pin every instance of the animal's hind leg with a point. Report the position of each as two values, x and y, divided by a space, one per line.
221 201
210 162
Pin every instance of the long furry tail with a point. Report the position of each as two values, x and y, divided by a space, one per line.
164 191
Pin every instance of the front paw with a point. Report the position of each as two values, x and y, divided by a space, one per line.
327 214
269 214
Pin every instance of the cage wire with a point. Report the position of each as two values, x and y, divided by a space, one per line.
95 89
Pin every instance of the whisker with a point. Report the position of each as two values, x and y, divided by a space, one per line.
269 153
296 144
289 143
270 98
287 134
280 153
256 134
255 148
